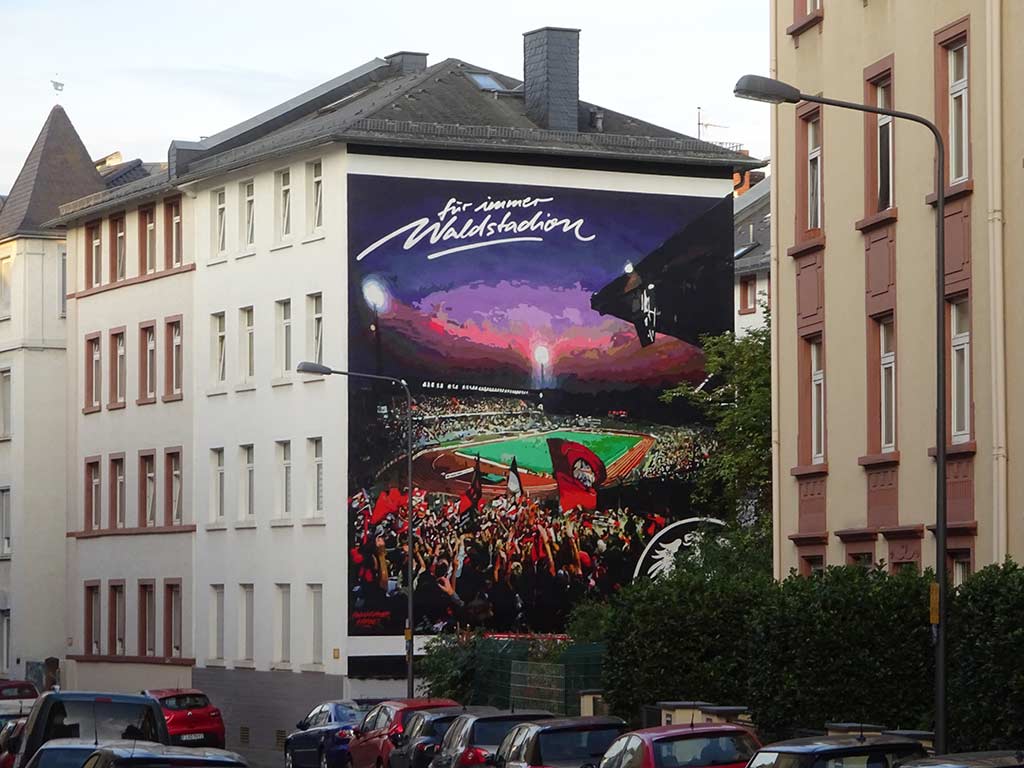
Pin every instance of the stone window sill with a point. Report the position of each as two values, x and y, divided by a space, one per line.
244 524
282 522
811 20
219 259
243 664
215 527
247 387
281 247
809 470
282 381
216 391
311 667
311 522
245 255
314 238
116 406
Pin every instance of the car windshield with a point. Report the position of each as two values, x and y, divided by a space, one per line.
489 732
583 746
101 720
17 692
878 759
63 758
439 727
185 701
346 714
695 751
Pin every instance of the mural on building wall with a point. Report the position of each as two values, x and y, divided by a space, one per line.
537 327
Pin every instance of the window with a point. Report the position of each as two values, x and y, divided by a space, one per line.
173 244
62 281
813 5
119 247
248 495
817 402
958 112
93 519
883 96
5 641
220 219
316 445
961 567
246 318
147 619
147 241
5 287
118 493
814 173
316 602
6 425
173 490
6 534
249 214
175 359
94 264
284 204
147 363
217 486
960 364
284 337
147 489
887 349
93 374
220 346
116 614
284 623
91 644
748 294
247 625
172 620
284 459
217 621
813 565
316 194
316 337
119 368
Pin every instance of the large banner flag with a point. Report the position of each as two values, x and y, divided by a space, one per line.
578 471
469 502
515 483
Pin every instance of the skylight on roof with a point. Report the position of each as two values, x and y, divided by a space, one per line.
485 81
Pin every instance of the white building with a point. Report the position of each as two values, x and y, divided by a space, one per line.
752 236
33 369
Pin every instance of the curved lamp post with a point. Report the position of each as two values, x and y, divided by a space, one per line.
758 88
317 369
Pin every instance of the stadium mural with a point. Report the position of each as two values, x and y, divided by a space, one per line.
537 327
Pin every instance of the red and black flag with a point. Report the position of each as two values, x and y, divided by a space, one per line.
515 483
578 471
469 502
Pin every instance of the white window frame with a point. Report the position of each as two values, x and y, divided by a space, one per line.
284 337
176 244
316 621
95 495
316 328
220 222
217 487
177 489
120 368
959 134
886 125
120 620
283 649
316 196
249 214
247 323
150 219
62 282
316 452
887 385
149 488
6 533
119 487
813 128
149 630
177 358
248 495
220 346
6 400
5 641
96 362
284 460
818 406
247 622
173 593
217 638
151 362
283 182
960 369
120 248
813 5
97 256
93 596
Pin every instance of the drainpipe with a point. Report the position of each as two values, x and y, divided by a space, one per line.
997 304
776 458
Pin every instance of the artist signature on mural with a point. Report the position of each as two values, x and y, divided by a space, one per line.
485 223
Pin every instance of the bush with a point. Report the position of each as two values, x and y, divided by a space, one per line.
448 667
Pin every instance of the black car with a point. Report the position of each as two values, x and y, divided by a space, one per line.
473 738
141 754
63 753
424 731
565 743
103 717
323 735
865 751
1000 759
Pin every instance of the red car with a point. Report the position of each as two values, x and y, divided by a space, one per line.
375 737
683 746
192 721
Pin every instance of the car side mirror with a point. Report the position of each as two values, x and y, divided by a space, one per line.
398 739
302 725
357 730
491 760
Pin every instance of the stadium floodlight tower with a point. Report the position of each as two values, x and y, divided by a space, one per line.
377 298
316 369
542 355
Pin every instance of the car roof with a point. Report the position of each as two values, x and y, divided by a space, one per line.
12 681
571 723
141 750
523 715
697 729
996 759
434 714
847 742
68 744
159 693
120 698
420 703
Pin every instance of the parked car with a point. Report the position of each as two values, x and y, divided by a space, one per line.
10 740
676 746
141 754
565 743
374 738
81 715
16 698
191 719
63 753
997 759
424 731
473 738
323 736
849 750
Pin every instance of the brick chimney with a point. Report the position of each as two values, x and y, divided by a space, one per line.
407 62
551 77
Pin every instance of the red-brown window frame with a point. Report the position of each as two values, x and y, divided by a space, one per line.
169 453
90 405
145 585
882 72
112 336
169 586
150 454
948 37
805 417
90 587
112 459
802 20
808 112
144 398
89 513
169 205
143 212
92 228
748 295
970 445
112 586
874 384
112 250
169 322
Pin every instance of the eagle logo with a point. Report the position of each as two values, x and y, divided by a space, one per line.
584 473
664 559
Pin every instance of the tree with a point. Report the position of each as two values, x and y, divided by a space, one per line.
735 405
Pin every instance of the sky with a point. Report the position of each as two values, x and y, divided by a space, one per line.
137 75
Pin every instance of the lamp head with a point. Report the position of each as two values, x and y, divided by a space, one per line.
315 369
758 88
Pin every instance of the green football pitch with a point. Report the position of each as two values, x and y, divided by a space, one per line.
532 453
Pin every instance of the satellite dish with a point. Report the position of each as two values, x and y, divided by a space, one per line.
57 85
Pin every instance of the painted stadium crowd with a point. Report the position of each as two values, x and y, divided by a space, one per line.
511 565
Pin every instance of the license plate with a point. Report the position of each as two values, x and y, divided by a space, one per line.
192 737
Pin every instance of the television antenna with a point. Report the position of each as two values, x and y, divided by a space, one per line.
57 85
701 125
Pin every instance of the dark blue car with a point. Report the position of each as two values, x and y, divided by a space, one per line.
323 735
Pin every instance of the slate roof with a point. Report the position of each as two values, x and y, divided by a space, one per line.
753 207
133 170
58 168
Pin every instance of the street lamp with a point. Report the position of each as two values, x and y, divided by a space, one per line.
317 369
758 88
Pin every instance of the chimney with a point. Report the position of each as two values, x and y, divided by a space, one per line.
551 77
407 62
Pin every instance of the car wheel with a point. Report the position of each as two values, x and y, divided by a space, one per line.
323 760
288 758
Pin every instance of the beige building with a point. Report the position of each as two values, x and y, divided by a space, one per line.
853 262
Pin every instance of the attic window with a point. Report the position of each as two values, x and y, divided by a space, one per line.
485 81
